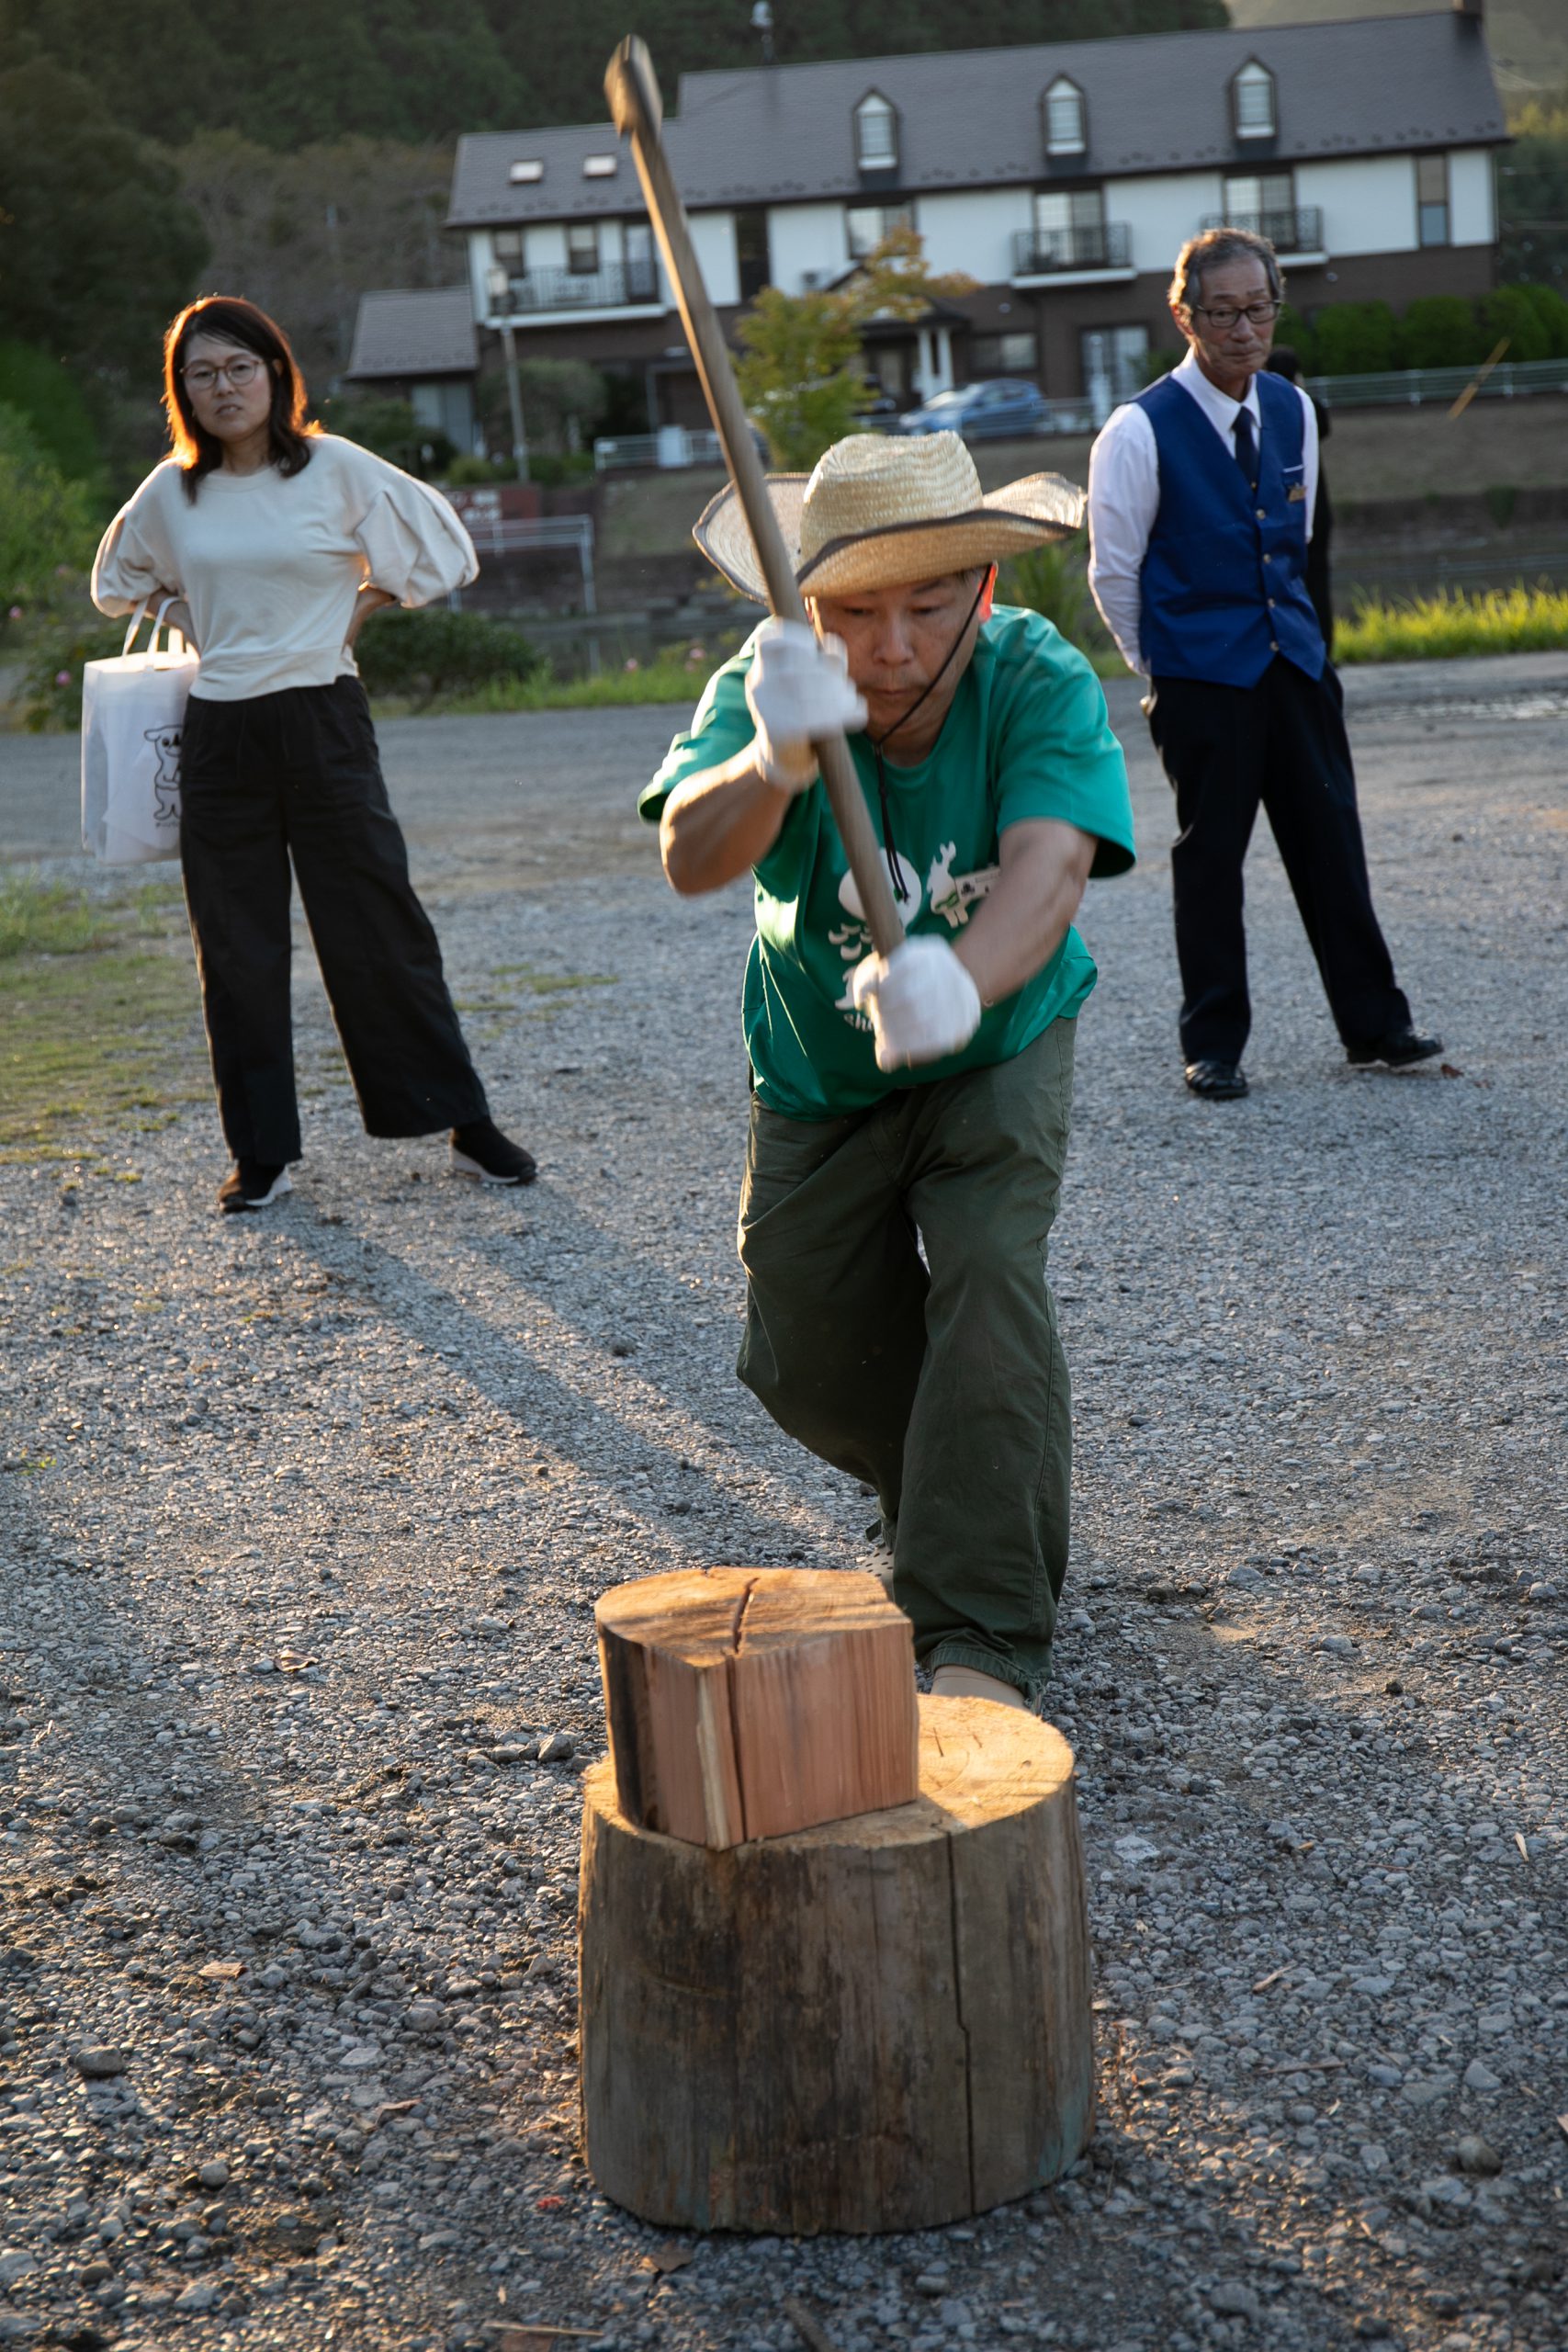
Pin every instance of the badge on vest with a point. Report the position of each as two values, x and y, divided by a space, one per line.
1296 494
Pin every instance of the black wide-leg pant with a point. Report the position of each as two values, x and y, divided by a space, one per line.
1281 742
297 774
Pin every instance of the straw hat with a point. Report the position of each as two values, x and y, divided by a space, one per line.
878 512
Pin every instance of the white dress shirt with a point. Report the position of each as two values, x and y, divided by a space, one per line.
1123 494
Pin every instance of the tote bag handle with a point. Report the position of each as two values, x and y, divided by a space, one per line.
136 620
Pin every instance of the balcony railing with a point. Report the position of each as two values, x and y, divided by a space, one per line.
1042 253
1297 230
614 286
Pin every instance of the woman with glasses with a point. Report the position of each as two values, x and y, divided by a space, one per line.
277 542
1201 494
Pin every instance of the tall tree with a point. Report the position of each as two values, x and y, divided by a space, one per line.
98 246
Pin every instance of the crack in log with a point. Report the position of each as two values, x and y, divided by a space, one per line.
962 2026
737 1630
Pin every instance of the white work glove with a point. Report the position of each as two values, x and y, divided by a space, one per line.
798 688
921 1002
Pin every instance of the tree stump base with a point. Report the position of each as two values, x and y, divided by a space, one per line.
880 2023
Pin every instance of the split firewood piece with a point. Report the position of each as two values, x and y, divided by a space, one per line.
880 2023
747 1703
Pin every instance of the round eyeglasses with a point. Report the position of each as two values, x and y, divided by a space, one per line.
236 372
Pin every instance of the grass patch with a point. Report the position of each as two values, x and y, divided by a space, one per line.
1445 626
99 1020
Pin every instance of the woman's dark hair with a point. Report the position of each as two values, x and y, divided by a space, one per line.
229 318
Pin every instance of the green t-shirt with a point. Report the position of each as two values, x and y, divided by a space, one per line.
1027 735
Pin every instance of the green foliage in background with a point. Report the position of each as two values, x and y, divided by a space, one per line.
1532 195
1053 581
288 74
1441 330
48 524
1354 339
436 653
98 246
50 396
390 428
799 373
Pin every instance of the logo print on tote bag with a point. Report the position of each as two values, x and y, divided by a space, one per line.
165 741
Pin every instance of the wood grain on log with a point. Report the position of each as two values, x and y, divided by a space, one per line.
880 2023
747 1703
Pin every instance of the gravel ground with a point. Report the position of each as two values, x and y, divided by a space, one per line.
303 1518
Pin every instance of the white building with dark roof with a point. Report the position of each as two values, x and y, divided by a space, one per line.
1062 178
421 345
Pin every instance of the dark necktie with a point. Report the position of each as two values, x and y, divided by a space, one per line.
1245 447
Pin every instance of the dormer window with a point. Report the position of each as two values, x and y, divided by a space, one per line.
1252 102
599 167
522 174
1065 119
876 134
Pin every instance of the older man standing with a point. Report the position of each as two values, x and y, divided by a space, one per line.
1200 501
909 1114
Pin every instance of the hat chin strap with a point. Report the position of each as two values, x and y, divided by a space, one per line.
889 846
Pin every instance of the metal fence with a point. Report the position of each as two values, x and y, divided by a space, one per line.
1040 252
613 286
673 446
1512 380
499 534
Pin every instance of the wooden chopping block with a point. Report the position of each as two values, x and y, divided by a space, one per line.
879 2023
747 1703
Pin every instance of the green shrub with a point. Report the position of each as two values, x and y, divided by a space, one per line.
51 698
1551 311
1511 313
47 524
1440 331
465 472
1294 331
1053 581
419 656
1441 627
1355 339
49 395
1501 497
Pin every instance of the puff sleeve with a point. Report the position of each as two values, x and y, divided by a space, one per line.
134 555
413 543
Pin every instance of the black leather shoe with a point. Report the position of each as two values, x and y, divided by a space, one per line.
1216 1081
1400 1047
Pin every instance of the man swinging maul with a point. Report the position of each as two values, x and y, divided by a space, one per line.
923 1098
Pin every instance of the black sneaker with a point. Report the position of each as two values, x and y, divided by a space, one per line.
1396 1051
251 1185
481 1151
1217 1082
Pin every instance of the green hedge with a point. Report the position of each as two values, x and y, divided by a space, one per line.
435 653
1436 331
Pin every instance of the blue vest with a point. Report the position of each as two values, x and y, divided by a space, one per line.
1222 581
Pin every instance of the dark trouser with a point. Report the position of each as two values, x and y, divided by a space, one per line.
1281 742
297 773
946 1391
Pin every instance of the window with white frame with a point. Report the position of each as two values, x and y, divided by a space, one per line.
1264 202
1069 228
506 245
876 134
865 225
1252 102
1003 355
1115 361
1432 199
583 248
1065 119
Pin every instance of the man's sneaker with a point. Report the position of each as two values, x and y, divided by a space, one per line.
1396 1051
481 1151
250 1185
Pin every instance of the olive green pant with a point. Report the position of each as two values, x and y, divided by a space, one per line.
944 1383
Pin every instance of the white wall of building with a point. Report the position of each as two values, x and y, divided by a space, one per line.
713 236
1473 207
807 240
1369 203
1162 212
974 231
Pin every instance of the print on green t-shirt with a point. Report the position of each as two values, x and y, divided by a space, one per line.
1027 736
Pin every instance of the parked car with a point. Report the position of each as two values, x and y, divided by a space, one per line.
877 409
1003 408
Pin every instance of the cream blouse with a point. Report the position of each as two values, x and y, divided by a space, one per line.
270 564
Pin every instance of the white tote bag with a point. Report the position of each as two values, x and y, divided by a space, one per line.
133 712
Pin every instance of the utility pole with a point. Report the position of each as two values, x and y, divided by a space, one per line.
499 287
